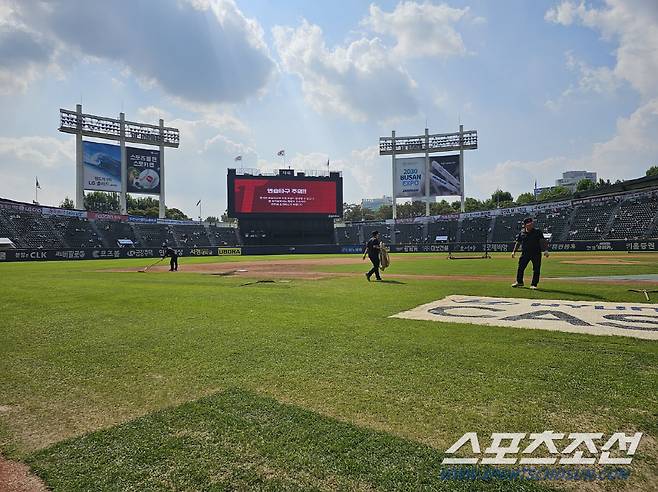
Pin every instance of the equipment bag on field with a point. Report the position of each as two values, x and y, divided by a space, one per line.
384 259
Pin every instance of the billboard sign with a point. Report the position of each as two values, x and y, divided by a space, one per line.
260 195
143 170
102 166
411 178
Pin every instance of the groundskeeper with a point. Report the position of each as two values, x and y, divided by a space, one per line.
532 243
373 248
173 263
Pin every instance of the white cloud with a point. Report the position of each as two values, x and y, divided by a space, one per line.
626 155
22 56
365 173
590 80
420 29
151 114
36 152
633 24
199 51
361 80
565 13
634 147
24 158
601 80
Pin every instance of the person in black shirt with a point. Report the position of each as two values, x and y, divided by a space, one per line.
372 250
532 243
173 263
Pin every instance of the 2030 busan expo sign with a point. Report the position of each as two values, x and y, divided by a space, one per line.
591 318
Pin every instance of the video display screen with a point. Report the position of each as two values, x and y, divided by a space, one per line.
274 195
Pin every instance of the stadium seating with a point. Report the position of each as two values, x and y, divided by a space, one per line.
507 227
554 222
442 228
76 232
474 229
382 228
350 234
223 236
112 231
622 217
634 218
153 235
409 233
591 220
29 230
188 236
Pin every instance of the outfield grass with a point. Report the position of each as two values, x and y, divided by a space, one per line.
83 350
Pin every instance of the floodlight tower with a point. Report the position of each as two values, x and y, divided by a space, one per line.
123 131
426 144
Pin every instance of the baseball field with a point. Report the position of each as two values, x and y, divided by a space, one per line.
252 373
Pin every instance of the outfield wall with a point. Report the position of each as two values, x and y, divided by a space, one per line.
14 255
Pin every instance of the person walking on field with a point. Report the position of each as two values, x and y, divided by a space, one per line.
372 249
532 243
173 263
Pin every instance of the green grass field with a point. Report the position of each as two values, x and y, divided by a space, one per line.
158 381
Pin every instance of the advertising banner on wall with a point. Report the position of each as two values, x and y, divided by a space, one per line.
410 176
102 166
143 170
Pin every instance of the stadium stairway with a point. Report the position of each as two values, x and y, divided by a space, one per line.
7 230
492 228
211 236
94 227
652 229
458 236
611 219
567 226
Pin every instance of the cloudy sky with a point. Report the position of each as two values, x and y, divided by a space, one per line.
549 85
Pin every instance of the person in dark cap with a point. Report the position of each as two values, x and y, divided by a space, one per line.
173 263
372 250
532 243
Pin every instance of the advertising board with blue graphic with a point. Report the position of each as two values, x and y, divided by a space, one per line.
102 166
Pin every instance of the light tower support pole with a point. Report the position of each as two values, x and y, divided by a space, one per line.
79 167
393 176
427 172
461 166
123 201
163 208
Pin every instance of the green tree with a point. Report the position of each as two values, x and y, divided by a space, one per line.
500 196
555 193
585 185
174 213
384 212
441 208
99 201
652 171
473 205
355 213
67 203
211 219
525 198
